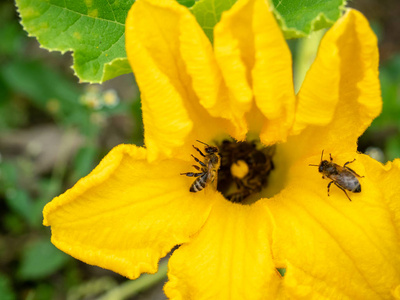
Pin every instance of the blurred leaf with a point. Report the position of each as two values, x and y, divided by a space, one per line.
93 30
300 18
49 188
44 291
40 259
136 109
12 113
6 292
50 91
389 75
393 148
10 36
85 161
8 175
187 3
208 13
40 83
13 224
20 202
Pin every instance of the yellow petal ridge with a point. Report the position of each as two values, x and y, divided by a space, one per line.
342 85
272 75
349 249
149 26
127 213
234 55
229 258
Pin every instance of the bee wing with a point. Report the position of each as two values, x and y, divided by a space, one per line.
347 180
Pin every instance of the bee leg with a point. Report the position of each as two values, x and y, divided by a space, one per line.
201 153
191 174
349 162
329 185
197 167
236 197
199 161
351 170
342 190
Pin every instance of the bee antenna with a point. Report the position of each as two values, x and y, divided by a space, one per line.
203 143
322 154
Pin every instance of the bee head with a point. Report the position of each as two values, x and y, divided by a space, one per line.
323 165
211 149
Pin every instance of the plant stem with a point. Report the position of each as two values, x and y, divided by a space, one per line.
133 287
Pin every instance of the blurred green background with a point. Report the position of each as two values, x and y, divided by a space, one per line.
54 130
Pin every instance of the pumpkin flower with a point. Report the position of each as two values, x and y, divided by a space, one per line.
267 208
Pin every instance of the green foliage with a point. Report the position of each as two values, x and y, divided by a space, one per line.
93 30
208 13
387 125
41 259
389 76
6 291
296 18
37 93
187 3
85 159
22 76
20 202
300 18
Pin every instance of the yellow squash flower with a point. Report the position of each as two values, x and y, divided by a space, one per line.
268 209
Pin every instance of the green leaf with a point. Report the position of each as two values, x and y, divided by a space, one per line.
40 259
208 13
6 292
93 29
300 18
296 18
20 202
187 3
85 161
51 91
22 76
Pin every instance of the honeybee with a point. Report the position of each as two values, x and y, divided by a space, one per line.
208 168
343 177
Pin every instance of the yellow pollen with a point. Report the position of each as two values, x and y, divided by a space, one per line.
239 169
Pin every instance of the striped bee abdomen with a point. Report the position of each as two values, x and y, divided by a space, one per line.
199 184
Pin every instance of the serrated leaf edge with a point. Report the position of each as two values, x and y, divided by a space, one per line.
63 51
291 32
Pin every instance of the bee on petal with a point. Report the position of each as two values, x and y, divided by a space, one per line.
208 168
343 177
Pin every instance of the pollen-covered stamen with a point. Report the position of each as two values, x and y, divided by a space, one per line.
244 169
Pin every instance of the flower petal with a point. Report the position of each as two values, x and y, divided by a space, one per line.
233 47
127 213
333 248
341 89
230 258
206 76
252 54
154 37
272 75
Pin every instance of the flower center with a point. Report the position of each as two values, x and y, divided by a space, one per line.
244 170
